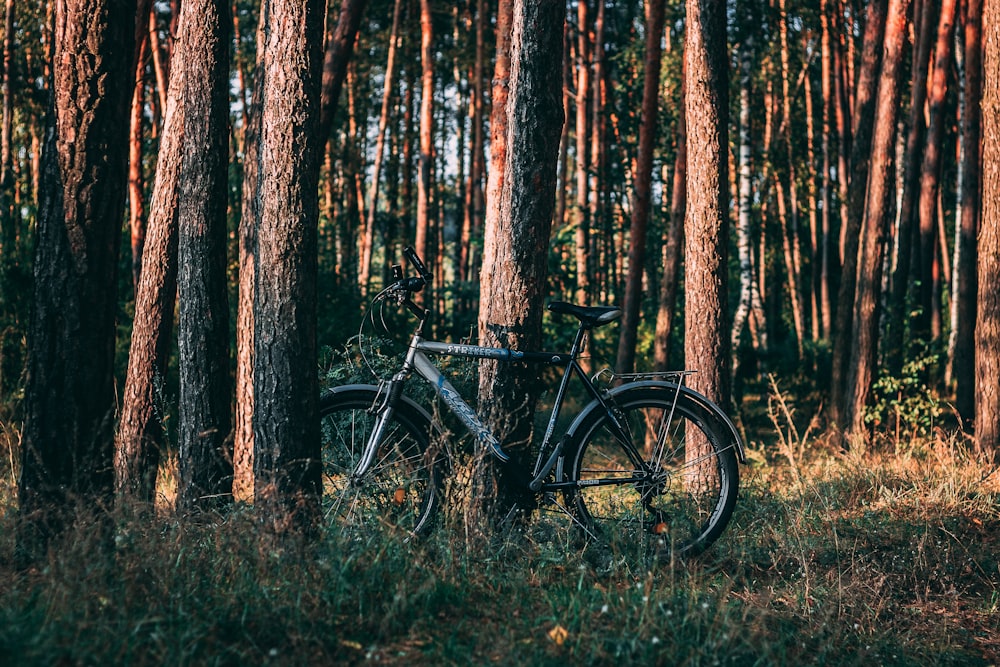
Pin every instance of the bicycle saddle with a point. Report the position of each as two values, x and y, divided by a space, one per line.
589 316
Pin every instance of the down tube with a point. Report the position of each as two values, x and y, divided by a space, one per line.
454 401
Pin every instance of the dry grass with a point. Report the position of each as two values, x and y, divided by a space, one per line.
887 555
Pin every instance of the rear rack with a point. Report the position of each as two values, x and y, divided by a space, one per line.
676 377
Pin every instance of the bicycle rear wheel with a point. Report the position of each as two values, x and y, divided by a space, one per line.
401 492
679 498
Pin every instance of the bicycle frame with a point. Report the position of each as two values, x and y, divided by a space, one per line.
417 361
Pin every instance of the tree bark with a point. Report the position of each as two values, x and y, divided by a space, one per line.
367 243
910 170
706 221
69 401
862 127
674 247
930 169
205 417
521 202
283 211
988 311
642 188
879 214
963 364
339 48
141 427
582 207
424 194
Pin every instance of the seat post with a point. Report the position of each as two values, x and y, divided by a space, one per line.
578 341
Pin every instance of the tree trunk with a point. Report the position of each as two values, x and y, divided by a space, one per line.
367 243
283 211
674 247
910 170
205 416
582 154
963 364
749 290
339 47
424 193
706 222
69 400
642 189
521 201
988 311
863 124
879 214
930 169
136 195
141 428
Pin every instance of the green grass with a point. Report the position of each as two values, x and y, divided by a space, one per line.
880 557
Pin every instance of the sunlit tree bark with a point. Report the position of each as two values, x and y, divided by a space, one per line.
706 221
988 312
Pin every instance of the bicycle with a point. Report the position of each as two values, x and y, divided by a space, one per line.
648 458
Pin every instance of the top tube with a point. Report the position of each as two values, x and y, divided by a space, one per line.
498 353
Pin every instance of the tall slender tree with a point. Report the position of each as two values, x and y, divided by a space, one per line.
879 214
970 202
66 452
862 127
642 190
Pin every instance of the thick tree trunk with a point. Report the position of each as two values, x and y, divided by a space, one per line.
880 212
706 222
69 400
283 211
205 416
642 188
988 312
518 220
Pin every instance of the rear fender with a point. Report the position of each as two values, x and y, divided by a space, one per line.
723 424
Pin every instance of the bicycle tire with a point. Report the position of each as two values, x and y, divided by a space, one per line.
401 493
687 501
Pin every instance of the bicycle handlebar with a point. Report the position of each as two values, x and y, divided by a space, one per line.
414 259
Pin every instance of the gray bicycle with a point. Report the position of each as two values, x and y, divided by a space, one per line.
646 458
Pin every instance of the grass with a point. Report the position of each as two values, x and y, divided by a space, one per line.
886 556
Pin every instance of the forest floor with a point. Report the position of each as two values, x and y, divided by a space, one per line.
880 556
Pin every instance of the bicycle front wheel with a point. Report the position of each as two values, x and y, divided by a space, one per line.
678 487
401 492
